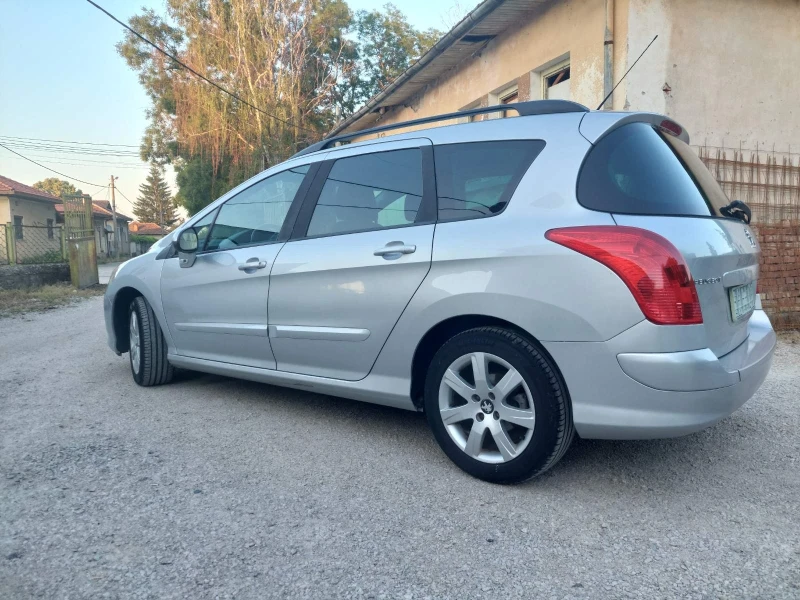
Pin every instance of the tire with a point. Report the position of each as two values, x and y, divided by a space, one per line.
511 428
148 348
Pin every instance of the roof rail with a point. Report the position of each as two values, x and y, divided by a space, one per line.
524 109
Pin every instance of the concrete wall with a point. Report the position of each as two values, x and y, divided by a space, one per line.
560 29
725 69
731 67
32 212
16 277
5 209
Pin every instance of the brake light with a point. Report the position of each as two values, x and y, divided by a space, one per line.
651 267
671 127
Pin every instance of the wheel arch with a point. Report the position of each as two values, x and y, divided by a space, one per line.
120 306
437 335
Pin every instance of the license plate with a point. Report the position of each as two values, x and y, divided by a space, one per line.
743 300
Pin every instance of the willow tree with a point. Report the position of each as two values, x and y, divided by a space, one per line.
280 59
290 66
277 55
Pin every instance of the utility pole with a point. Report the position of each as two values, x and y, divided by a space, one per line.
114 218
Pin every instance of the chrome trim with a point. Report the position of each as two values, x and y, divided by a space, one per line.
740 276
254 329
300 332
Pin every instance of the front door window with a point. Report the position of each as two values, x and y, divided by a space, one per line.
255 215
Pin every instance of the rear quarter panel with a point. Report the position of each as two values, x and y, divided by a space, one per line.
503 266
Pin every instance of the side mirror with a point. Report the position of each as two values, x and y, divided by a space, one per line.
186 245
187 241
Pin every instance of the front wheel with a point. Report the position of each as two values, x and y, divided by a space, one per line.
148 348
497 406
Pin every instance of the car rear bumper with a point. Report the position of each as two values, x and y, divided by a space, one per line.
640 395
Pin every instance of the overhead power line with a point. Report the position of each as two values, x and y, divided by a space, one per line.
103 165
191 70
14 137
68 149
84 161
124 196
49 169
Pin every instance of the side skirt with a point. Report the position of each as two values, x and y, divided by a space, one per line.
375 389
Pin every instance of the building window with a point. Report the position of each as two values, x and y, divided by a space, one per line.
470 118
18 233
50 229
510 97
556 82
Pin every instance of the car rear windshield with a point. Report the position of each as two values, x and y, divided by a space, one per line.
477 179
638 170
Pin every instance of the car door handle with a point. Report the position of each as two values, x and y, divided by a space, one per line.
395 248
253 264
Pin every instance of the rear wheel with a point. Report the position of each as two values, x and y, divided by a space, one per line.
148 348
497 405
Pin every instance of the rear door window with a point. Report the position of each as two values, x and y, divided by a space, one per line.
477 179
369 192
637 170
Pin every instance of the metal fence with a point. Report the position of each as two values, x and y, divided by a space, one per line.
31 244
769 182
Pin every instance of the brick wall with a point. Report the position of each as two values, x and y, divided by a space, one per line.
770 184
779 282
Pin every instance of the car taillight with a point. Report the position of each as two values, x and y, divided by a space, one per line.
671 127
650 266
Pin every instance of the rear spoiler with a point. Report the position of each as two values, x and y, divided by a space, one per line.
597 124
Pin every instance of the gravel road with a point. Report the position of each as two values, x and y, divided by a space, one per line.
217 488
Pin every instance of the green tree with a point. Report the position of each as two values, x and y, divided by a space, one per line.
385 45
57 187
301 62
277 55
155 203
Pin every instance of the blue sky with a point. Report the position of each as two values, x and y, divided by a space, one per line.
62 79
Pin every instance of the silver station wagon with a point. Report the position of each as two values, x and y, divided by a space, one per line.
520 280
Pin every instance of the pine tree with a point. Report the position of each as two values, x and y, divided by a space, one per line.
155 203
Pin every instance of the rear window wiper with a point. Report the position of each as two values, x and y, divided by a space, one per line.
737 210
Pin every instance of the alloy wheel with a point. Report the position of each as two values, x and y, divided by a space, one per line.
135 343
486 407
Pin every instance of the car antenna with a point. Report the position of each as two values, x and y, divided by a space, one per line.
626 73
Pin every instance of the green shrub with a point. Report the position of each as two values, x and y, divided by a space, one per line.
143 239
51 256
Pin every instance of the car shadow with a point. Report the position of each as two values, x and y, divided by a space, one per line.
664 465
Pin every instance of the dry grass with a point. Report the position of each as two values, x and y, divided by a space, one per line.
48 297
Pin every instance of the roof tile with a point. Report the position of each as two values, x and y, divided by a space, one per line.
9 186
